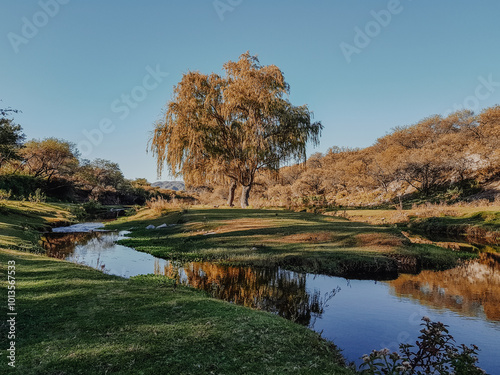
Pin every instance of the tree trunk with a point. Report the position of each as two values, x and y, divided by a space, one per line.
230 199
245 194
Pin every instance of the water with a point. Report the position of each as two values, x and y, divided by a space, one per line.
358 315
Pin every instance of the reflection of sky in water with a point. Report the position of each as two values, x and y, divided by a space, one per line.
81 227
360 316
366 315
116 259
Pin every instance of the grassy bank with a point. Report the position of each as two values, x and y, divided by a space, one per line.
21 222
300 241
480 225
75 320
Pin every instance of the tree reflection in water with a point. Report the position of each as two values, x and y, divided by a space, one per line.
472 289
275 290
61 245
279 291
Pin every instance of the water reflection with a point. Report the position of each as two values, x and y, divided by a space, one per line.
365 315
279 291
61 245
472 289
275 290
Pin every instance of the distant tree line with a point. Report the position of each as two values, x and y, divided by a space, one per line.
453 155
54 167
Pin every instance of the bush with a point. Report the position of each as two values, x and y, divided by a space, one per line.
79 212
159 204
434 353
92 207
20 185
87 210
38 197
5 195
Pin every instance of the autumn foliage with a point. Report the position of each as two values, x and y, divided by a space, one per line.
456 154
225 129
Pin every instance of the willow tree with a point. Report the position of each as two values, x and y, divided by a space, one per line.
223 129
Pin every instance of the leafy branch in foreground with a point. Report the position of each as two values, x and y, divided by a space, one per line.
434 353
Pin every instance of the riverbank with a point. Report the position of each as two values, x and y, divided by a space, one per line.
479 225
22 222
75 320
87 317
294 240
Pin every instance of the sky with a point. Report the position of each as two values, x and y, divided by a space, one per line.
100 73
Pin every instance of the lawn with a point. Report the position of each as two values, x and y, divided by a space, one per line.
75 320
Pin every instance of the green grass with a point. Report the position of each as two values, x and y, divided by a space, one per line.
489 220
21 222
299 241
481 228
75 320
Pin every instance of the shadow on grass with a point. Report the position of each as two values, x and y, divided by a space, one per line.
74 320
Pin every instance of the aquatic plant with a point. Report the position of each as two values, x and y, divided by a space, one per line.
434 353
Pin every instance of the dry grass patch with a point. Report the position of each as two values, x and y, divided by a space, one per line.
434 210
308 237
378 240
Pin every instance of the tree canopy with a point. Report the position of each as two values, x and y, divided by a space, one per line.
226 128
11 139
49 157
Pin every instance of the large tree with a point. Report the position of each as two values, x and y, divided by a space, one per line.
223 129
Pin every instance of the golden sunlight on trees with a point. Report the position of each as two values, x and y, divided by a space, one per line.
49 157
223 129
101 179
437 156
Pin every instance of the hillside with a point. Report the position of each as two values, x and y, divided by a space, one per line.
170 185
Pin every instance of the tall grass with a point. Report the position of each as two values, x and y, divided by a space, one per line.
162 206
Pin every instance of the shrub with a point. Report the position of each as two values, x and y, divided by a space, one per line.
38 197
92 207
87 210
434 353
20 184
159 204
5 195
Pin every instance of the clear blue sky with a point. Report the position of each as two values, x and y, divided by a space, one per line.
66 64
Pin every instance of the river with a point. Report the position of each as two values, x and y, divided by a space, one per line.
358 315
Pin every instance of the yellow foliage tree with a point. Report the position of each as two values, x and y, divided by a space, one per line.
223 129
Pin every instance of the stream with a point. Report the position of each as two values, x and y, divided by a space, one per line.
357 315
